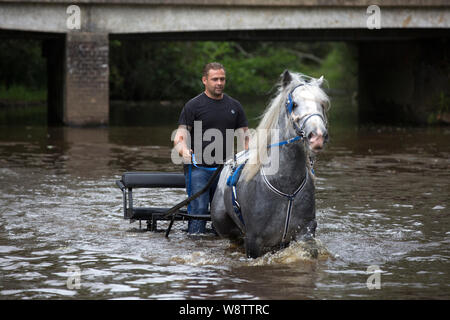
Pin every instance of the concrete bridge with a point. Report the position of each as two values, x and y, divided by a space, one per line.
403 45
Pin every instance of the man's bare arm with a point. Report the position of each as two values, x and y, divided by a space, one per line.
180 143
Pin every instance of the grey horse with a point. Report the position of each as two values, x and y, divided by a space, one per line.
274 200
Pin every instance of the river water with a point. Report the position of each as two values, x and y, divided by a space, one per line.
382 204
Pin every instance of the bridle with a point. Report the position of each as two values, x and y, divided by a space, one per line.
300 131
290 104
300 135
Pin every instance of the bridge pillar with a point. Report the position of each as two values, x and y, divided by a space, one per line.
53 51
403 82
86 96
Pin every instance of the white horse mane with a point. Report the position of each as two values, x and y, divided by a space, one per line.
262 136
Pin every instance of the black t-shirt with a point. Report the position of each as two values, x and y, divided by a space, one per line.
223 114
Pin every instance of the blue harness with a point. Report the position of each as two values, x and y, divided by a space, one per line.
194 162
236 171
232 182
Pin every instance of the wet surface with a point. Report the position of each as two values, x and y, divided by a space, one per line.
382 199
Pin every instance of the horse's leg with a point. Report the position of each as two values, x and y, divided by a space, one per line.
222 222
308 232
253 246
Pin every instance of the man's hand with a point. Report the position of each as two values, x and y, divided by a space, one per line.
186 155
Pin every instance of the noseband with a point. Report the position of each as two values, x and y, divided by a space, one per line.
299 130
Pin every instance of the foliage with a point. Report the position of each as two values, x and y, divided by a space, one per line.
159 70
340 67
21 63
22 93
441 106
172 70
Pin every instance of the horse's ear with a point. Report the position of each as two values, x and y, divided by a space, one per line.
287 78
320 81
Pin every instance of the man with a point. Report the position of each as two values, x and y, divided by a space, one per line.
211 110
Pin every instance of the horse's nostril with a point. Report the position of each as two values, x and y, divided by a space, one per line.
310 136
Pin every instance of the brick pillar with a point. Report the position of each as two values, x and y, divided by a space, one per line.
86 100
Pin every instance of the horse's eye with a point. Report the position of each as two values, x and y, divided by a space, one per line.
294 105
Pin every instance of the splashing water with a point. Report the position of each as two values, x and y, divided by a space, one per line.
297 251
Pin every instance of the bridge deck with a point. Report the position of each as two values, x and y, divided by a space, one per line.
250 3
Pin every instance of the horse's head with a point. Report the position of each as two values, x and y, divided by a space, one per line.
306 107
